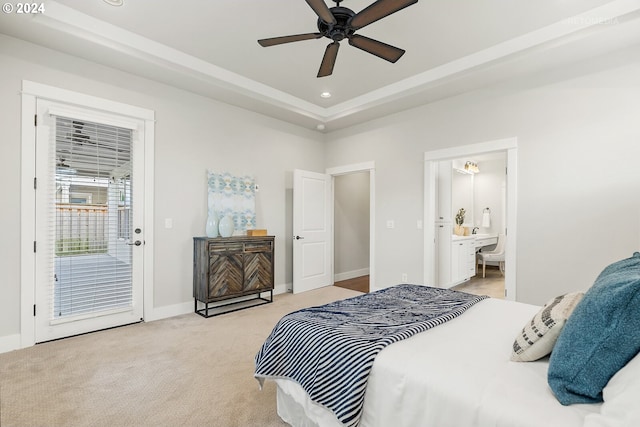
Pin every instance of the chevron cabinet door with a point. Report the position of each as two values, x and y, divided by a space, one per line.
258 271
225 274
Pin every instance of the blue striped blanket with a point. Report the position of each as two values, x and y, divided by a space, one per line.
329 350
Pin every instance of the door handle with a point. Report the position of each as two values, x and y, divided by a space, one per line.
298 237
137 243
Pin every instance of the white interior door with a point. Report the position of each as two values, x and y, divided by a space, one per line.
89 221
312 230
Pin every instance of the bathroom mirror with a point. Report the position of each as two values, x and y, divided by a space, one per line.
462 193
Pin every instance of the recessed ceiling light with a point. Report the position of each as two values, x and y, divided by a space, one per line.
114 2
325 94
320 126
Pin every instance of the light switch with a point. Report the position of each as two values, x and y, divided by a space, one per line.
391 223
168 223
419 224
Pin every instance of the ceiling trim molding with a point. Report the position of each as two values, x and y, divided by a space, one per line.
598 16
68 20
77 24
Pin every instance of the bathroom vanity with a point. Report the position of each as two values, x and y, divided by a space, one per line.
461 264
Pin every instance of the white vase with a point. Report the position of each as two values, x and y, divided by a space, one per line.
211 228
226 226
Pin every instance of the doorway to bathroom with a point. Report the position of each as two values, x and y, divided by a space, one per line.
456 220
478 186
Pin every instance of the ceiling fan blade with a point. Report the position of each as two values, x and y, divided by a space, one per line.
378 10
374 47
288 39
329 60
322 10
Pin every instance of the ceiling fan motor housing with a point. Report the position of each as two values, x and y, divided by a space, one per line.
341 29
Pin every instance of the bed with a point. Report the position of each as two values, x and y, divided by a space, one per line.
460 373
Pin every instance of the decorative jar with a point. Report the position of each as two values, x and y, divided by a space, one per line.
226 226
211 228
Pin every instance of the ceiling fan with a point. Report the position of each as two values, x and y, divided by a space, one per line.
338 23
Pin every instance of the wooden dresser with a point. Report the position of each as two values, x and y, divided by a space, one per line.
228 271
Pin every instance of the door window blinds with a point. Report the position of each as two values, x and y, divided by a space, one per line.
92 198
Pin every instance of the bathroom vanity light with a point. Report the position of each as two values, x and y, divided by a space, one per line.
471 167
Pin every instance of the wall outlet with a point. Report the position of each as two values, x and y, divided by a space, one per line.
404 278
168 223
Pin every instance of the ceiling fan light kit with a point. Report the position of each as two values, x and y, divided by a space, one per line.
339 23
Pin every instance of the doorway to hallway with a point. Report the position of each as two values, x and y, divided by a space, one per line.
352 230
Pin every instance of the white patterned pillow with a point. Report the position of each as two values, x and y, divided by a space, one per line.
540 334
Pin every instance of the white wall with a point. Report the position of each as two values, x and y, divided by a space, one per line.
489 188
192 134
578 132
351 225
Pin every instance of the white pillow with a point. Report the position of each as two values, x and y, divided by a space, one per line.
620 407
538 336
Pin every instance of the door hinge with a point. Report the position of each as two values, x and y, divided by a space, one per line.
34 246
35 120
35 183
34 310
505 293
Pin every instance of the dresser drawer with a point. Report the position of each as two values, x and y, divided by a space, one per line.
225 248
265 246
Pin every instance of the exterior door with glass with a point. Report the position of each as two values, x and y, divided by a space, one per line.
89 220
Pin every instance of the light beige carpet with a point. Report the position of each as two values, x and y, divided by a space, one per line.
181 371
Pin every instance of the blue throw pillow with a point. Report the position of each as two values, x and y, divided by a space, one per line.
600 337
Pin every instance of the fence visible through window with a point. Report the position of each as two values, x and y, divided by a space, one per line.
93 186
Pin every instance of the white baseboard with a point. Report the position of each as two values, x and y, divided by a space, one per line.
169 311
283 288
188 307
9 343
350 274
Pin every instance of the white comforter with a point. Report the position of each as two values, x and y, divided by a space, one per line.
457 374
